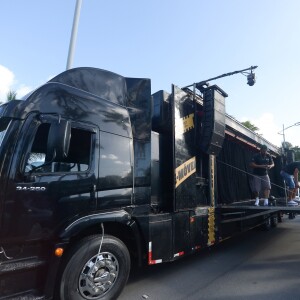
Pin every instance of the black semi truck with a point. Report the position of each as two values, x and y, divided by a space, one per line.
98 174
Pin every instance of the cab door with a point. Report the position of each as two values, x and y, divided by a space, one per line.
43 195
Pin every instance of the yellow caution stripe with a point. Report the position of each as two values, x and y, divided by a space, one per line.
188 122
185 124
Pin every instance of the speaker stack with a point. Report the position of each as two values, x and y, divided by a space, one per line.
213 122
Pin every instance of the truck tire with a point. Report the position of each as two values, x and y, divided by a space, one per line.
274 220
292 215
266 226
87 275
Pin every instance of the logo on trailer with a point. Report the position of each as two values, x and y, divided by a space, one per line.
184 171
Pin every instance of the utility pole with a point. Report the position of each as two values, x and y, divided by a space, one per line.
283 138
283 133
74 34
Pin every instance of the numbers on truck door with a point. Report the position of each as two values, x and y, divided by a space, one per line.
31 188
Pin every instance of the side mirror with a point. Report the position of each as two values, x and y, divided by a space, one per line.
58 140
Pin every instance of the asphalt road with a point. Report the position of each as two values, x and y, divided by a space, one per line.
255 265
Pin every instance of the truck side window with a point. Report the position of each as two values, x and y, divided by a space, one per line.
78 159
3 129
38 150
115 161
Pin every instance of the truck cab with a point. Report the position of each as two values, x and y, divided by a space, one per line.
67 154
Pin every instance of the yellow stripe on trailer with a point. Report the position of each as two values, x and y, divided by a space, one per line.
211 226
211 210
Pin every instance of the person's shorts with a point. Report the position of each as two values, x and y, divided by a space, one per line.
289 179
260 183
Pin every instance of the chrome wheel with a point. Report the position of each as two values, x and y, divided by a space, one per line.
98 276
90 275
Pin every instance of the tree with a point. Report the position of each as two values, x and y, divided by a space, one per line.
296 149
251 126
287 145
297 152
11 95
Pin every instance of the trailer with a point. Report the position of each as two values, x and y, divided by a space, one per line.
97 174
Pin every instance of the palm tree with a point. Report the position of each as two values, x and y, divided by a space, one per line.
11 95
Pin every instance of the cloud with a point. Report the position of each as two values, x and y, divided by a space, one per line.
271 129
109 156
9 83
23 90
267 128
6 80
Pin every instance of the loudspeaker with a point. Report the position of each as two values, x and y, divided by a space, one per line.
213 122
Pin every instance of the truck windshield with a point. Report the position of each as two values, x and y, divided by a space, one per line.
4 124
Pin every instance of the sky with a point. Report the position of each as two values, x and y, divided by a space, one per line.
171 42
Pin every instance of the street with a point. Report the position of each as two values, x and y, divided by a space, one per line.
255 265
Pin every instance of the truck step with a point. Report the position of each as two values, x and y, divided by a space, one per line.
20 265
29 295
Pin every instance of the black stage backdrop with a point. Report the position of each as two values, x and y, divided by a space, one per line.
234 175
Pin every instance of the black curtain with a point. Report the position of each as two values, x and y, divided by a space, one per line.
276 180
234 175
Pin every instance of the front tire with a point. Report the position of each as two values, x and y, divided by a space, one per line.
87 275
